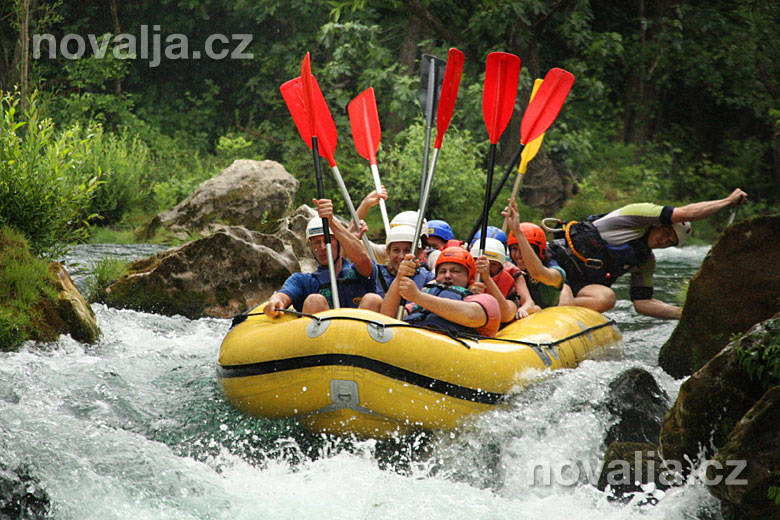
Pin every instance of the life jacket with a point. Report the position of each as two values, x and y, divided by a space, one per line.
584 255
505 282
422 316
420 278
351 284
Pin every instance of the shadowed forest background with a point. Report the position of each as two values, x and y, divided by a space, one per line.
674 102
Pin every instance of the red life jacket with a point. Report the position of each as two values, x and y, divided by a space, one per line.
505 279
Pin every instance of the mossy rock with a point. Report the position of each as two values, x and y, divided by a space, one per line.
737 286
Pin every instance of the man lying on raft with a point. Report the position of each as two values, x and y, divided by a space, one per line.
311 292
608 246
447 304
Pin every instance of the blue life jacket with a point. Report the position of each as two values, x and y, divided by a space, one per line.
421 277
352 285
426 318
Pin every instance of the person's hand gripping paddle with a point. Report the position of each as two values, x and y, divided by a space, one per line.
323 126
366 132
318 136
449 93
502 73
540 114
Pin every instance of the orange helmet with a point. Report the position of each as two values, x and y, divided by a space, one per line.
535 236
458 255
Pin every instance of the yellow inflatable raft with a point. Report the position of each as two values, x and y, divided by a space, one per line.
350 371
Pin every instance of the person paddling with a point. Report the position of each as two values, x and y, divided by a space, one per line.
499 279
546 280
311 292
446 304
399 244
598 250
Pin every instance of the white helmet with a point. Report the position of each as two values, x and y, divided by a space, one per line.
314 228
494 250
409 218
400 234
683 230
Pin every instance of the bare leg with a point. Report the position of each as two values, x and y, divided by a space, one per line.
315 303
371 302
566 298
597 297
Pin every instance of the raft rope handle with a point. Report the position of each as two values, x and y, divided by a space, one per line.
451 334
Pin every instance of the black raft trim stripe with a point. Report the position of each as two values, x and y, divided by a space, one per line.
385 369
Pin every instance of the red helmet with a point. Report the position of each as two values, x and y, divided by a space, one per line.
458 255
535 236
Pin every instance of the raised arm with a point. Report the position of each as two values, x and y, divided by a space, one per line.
704 209
369 201
352 248
533 264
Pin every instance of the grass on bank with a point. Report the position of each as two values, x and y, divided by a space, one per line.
23 284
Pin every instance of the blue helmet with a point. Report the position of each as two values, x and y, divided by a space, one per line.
440 228
492 232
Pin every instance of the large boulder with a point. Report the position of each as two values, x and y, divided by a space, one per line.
292 231
639 405
736 287
253 194
221 275
715 398
748 465
68 313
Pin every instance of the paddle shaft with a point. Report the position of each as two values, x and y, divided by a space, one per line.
421 214
382 206
486 206
515 191
325 228
492 197
430 101
356 219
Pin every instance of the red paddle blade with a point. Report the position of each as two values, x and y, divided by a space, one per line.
307 92
449 93
502 72
544 107
364 120
325 128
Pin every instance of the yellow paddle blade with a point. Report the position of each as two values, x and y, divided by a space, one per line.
532 148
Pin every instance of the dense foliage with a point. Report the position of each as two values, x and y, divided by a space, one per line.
674 101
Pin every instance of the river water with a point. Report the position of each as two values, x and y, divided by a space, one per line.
135 427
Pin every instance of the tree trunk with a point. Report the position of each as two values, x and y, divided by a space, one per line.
117 30
25 57
776 156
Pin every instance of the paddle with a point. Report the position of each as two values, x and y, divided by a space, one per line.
528 152
502 72
538 117
444 110
431 69
292 91
311 118
366 132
